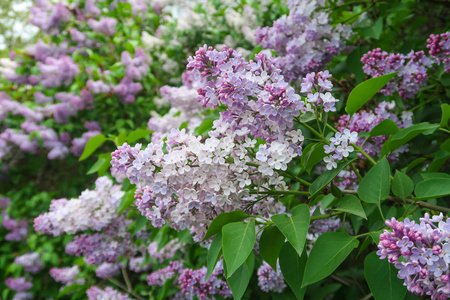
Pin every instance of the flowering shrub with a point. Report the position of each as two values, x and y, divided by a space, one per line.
224 149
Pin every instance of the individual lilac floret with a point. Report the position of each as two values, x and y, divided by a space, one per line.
339 147
425 251
19 284
106 25
304 41
95 293
269 280
439 49
412 70
31 262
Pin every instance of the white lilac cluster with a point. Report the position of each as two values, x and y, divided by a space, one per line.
94 209
269 280
339 147
186 182
304 41
317 87
107 270
258 100
67 276
421 253
95 293
137 264
184 108
31 262
166 252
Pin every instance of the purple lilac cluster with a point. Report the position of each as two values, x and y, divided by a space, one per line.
412 70
304 41
20 285
425 251
159 277
184 107
137 264
94 209
105 25
194 181
339 147
55 72
365 121
269 280
31 262
18 228
166 252
48 16
317 87
107 270
66 276
439 49
259 101
95 293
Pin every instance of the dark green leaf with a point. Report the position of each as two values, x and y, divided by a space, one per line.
402 185
294 227
432 188
324 179
366 90
351 204
375 185
270 244
329 251
314 153
386 127
382 278
223 219
238 240
214 252
292 266
445 115
140 223
238 282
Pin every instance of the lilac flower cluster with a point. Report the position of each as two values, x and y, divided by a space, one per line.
19 229
105 25
340 147
55 72
439 49
365 121
159 277
107 270
94 209
269 280
317 87
78 144
304 41
31 262
425 250
412 70
195 181
137 264
49 17
65 275
19 284
95 293
166 252
258 99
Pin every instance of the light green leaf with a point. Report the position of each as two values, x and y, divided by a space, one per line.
95 167
214 252
426 176
270 244
405 135
137 135
329 251
432 188
205 126
294 227
92 145
351 204
402 185
382 279
238 240
445 115
127 199
375 185
324 179
366 90
386 127
293 266
223 219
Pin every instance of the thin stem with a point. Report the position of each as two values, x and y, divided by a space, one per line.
356 172
365 154
127 279
119 284
444 130
312 219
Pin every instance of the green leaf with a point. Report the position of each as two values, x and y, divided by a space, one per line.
95 167
238 240
405 135
351 204
413 164
92 145
307 117
324 179
402 185
375 185
127 199
238 282
223 219
382 279
294 227
445 115
335 191
366 90
439 159
270 244
293 266
214 252
386 127
432 188
426 176
329 251
205 126
141 221
68 289
137 135
314 153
